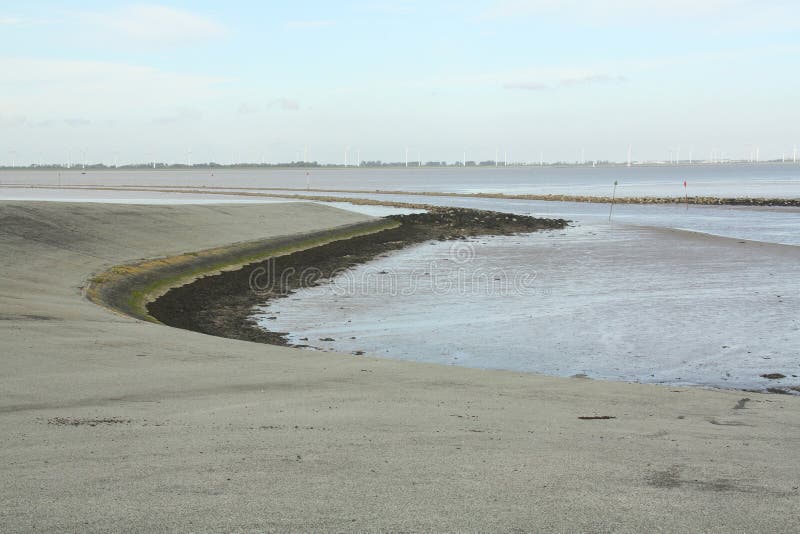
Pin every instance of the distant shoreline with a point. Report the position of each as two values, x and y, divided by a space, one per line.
372 165
295 193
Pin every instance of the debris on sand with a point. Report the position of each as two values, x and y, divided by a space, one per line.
773 376
87 421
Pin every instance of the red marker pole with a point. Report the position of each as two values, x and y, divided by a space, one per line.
686 194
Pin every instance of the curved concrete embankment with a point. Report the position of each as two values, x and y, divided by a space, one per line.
112 423
129 288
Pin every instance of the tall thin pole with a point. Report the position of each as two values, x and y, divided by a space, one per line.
686 194
613 197
406 156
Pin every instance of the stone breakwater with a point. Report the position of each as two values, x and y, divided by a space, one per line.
222 304
704 200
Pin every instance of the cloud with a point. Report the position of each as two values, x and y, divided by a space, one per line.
592 78
72 122
7 121
527 86
247 109
287 104
77 121
606 9
389 8
735 15
182 116
570 81
91 89
12 20
153 25
308 24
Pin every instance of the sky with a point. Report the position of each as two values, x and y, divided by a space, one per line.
267 81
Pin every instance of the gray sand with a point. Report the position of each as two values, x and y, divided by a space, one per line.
108 423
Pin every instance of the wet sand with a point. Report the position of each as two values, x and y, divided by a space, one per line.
113 423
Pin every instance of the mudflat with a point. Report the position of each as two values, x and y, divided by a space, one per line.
112 423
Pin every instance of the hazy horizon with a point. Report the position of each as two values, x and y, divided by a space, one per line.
519 79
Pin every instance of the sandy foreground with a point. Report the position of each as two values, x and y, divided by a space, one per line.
108 423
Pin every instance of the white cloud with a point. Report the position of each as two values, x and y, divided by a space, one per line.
181 116
607 8
43 88
527 86
247 109
287 104
9 120
592 78
308 24
12 20
570 81
153 25
389 8
737 15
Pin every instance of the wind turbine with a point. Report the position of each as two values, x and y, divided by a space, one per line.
794 155
358 158
346 150
189 157
406 157
630 152
496 156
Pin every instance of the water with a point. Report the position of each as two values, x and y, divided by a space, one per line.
604 301
741 180
636 299
772 225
